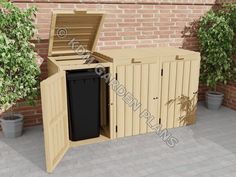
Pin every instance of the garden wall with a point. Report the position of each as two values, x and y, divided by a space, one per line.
128 24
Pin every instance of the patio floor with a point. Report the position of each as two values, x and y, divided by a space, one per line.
205 149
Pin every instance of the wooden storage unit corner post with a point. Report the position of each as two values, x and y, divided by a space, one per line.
82 28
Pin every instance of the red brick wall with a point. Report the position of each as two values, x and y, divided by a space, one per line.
230 94
128 24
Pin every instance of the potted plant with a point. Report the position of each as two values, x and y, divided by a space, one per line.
216 37
19 72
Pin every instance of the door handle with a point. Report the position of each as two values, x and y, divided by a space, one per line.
133 61
178 58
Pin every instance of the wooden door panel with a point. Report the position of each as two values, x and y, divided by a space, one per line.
179 84
141 81
55 119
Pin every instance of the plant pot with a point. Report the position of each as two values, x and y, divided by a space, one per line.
12 125
214 100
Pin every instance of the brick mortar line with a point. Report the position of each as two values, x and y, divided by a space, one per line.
114 3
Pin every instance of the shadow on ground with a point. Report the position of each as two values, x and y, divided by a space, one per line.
30 146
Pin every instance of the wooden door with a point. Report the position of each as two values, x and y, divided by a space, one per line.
179 87
55 118
141 80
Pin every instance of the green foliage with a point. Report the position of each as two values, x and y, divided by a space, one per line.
19 72
216 35
229 12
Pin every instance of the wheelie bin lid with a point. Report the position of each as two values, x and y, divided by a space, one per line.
82 75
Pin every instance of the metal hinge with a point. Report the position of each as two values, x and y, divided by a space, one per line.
116 128
116 76
161 72
159 120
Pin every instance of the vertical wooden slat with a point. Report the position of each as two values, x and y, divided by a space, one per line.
51 148
60 144
62 132
178 91
144 95
164 94
64 114
60 127
172 88
56 96
94 43
60 103
112 106
64 104
185 89
128 110
136 93
50 100
56 137
51 36
47 135
153 93
158 79
120 112
193 84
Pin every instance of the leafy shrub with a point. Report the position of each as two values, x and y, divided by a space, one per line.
216 35
19 72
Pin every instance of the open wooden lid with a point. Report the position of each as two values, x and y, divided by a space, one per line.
74 32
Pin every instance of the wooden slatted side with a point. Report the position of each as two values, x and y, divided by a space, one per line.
55 119
180 78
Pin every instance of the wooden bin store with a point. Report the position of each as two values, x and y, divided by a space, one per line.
161 81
